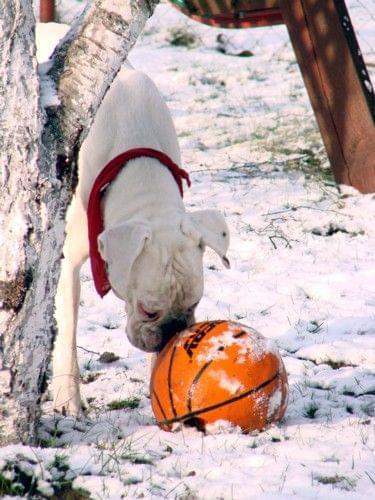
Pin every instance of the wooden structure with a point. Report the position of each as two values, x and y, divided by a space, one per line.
332 67
331 64
46 11
232 13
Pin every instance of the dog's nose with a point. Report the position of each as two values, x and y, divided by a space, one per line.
171 326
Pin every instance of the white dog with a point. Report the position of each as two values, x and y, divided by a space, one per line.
152 248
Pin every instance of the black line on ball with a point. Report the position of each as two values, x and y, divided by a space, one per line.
239 334
195 381
170 380
158 402
219 405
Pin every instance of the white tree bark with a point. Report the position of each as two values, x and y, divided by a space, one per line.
38 153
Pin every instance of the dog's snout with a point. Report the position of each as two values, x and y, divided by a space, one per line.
171 327
152 336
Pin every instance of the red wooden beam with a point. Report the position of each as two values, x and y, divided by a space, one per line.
331 71
47 11
253 19
232 14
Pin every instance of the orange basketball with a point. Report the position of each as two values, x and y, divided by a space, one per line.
219 370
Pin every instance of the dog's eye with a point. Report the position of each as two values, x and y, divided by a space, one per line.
152 315
149 315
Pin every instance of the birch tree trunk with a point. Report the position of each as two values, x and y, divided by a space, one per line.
38 157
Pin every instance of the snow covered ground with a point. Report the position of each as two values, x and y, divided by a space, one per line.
302 273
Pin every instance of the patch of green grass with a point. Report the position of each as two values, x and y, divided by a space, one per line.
72 494
9 487
310 410
135 458
184 133
87 365
108 357
121 404
60 462
368 408
132 480
336 365
341 481
329 479
181 37
18 478
156 489
349 409
62 486
295 147
51 442
310 162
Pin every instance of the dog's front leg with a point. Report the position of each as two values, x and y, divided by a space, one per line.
65 381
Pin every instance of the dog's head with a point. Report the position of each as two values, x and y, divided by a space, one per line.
158 271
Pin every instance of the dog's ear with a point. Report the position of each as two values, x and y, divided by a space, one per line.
119 247
208 227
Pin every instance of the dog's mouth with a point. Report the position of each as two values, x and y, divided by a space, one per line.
152 337
171 328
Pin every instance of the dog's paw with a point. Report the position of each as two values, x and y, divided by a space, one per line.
66 396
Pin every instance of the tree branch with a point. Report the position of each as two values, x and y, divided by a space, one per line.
88 59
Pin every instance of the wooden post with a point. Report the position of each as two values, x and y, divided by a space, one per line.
47 11
338 85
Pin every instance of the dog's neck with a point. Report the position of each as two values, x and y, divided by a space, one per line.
149 190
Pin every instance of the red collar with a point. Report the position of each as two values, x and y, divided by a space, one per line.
94 215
